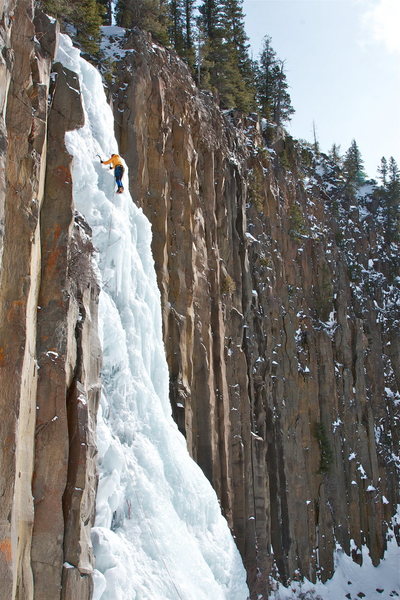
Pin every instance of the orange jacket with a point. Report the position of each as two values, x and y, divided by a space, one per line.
114 161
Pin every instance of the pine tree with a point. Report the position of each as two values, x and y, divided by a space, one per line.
239 79
210 43
181 29
106 10
334 155
353 167
283 109
176 27
60 9
225 64
272 88
85 15
189 53
88 19
151 15
392 201
265 82
210 19
383 171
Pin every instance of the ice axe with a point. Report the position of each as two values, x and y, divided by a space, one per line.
102 161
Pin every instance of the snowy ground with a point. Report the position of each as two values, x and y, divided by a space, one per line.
351 581
159 533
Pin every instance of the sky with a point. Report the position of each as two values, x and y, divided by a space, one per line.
342 62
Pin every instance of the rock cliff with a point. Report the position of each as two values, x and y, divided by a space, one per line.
280 305
280 315
49 352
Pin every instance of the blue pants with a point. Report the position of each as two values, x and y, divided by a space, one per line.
118 173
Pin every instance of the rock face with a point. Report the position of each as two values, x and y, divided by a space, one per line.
280 315
49 351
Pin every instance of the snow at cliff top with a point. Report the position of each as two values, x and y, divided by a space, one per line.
159 533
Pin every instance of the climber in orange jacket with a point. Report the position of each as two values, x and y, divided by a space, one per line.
116 163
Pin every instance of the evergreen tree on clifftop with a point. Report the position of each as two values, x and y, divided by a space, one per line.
181 29
353 167
86 16
272 88
334 155
383 171
225 66
150 15
390 198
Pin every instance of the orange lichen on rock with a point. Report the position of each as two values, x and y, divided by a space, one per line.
6 549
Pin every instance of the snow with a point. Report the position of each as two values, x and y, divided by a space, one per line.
113 30
250 237
159 533
350 579
362 471
110 44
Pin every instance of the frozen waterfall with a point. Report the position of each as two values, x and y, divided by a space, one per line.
159 533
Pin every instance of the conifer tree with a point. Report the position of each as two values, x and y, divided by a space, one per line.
383 171
176 26
353 167
239 81
88 19
60 9
181 29
272 88
265 83
210 19
283 109
85 15
151 15
189 54
225 64
392 201
334 155
107 9
210 43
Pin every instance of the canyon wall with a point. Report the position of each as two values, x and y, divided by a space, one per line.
49 350
280 306
280 313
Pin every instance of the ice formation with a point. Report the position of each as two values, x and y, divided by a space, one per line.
159 533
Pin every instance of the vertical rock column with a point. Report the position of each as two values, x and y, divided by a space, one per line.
64 479
24 71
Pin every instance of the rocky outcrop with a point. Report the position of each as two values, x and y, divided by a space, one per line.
49 351
280 341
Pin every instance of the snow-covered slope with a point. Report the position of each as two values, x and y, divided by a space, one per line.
351 580
159 533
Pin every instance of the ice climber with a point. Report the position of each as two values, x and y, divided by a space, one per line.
116 163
